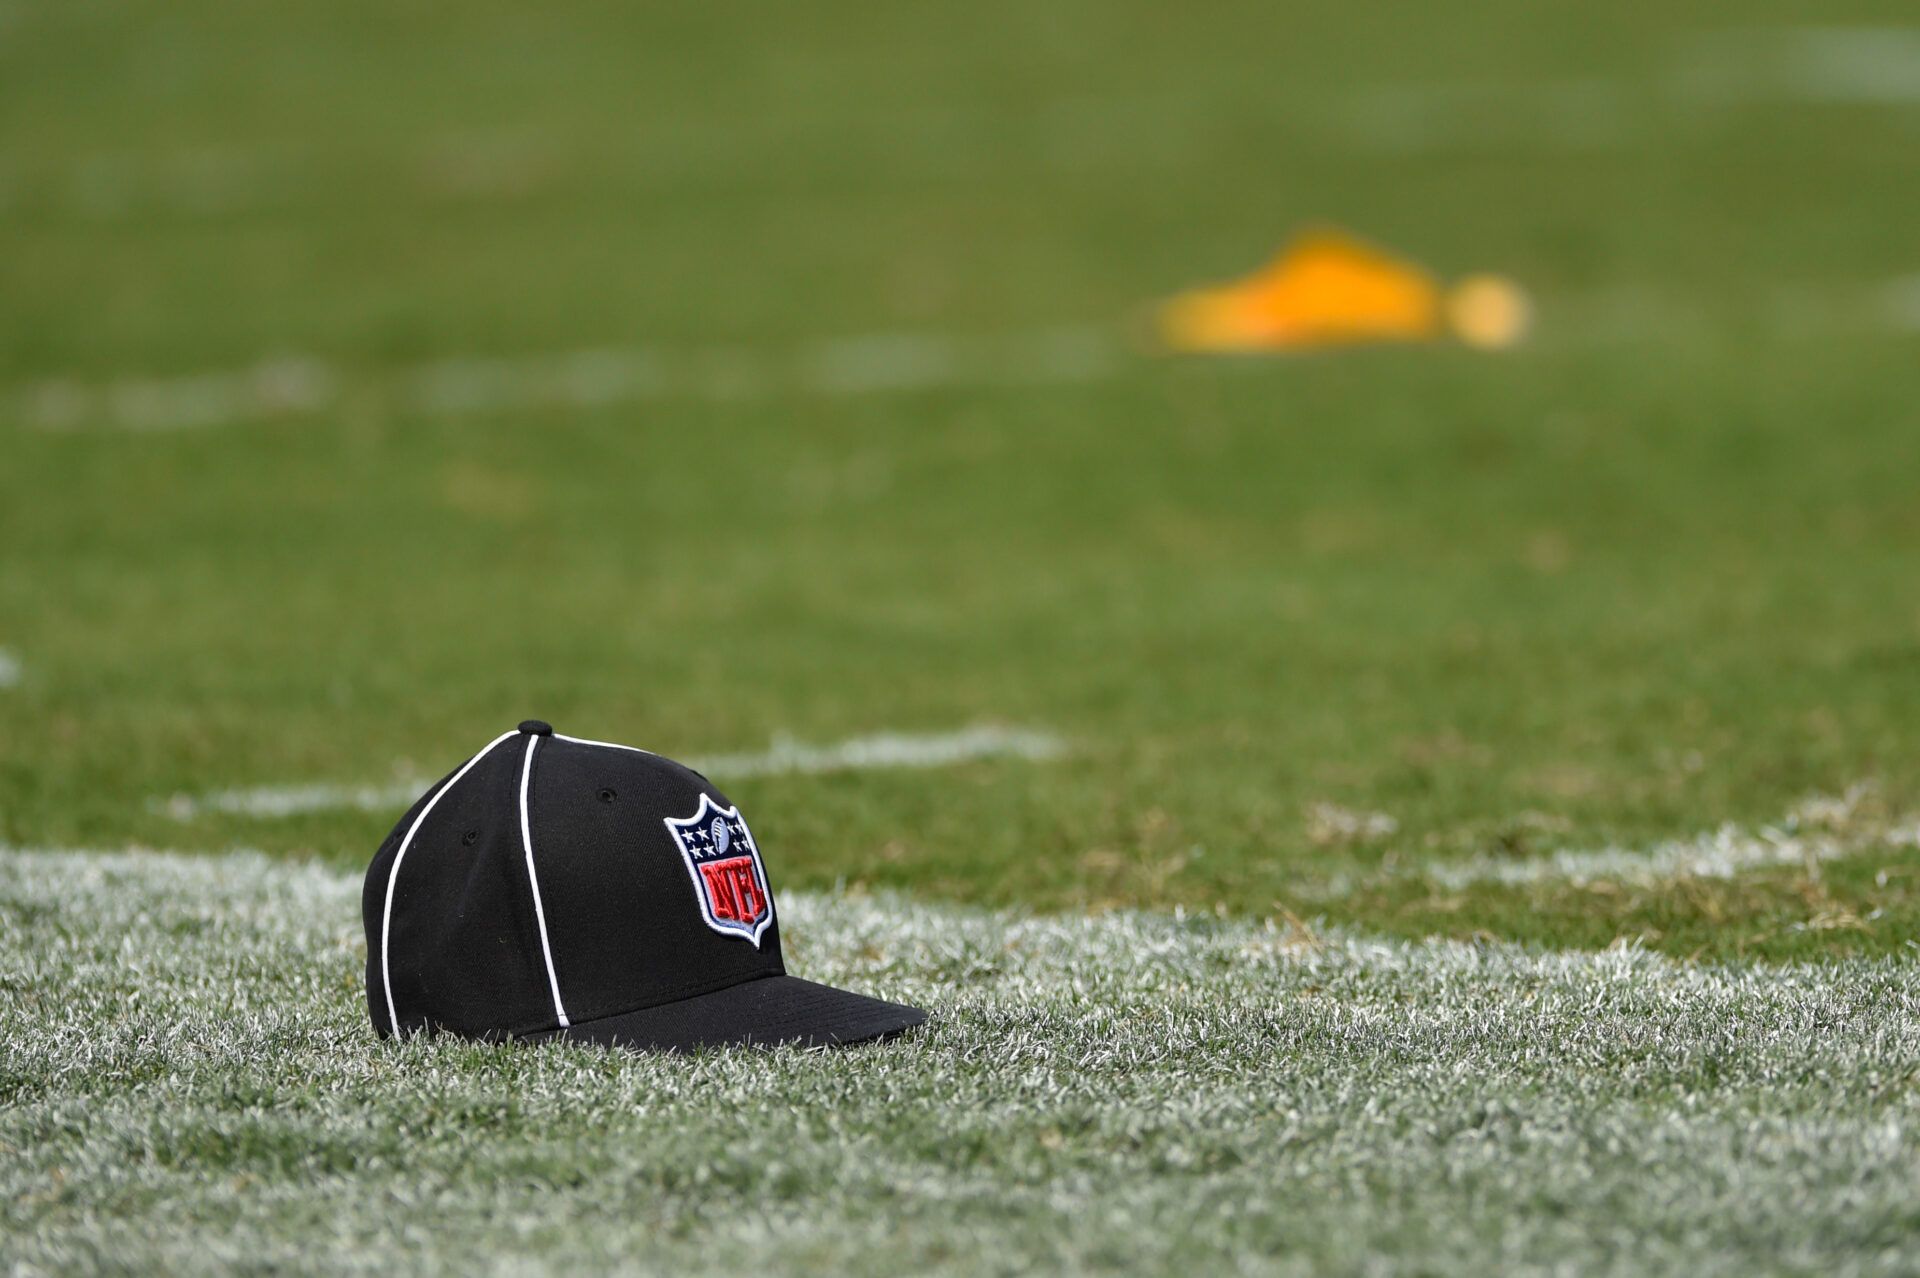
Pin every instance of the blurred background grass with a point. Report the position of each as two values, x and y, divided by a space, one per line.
1651 572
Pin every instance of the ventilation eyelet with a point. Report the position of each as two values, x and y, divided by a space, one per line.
607 794
470 838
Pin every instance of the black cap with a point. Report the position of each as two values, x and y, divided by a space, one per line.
552 887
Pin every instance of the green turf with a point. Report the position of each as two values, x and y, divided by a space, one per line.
1652 573
187 1085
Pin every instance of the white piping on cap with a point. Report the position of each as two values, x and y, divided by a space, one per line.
533 880
393 876
611 745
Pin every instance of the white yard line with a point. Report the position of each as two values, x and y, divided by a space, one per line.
10 669
581 379
1872 65
1718 854
879 751
272 388
833 367
573 379
1876 66
269 801
1900 303
886 750
890 361
1816 830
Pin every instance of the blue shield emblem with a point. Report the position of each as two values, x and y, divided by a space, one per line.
728 880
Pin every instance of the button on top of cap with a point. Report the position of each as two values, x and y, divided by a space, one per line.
537 728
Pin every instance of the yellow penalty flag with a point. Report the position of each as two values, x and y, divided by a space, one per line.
1328 288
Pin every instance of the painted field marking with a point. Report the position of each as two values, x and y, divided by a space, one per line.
1900 303
1816 830
1715 854
10 669
582 379
278 387
1872 65
875 752
572 379
595 377
1844 65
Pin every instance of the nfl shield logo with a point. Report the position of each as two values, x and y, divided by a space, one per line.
728 879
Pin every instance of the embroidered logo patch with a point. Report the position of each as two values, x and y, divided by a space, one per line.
728 879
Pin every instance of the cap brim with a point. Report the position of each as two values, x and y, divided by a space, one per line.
765 1012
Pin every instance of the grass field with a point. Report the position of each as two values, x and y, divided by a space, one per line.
1533 732
1128 1092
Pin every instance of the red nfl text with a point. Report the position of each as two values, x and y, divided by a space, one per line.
733 889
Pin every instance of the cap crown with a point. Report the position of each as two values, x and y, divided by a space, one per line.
551 880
